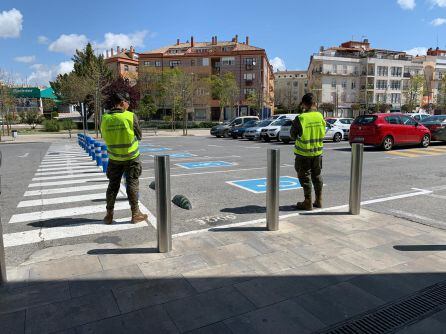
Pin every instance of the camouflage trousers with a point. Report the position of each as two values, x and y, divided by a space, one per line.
132 171
309 171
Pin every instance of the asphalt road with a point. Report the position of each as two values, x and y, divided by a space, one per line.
408 183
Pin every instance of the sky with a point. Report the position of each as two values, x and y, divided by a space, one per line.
38 38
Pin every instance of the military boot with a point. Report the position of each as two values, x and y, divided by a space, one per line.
138 216
305 205
108 219
318 202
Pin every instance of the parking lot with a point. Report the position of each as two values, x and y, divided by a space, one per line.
53 194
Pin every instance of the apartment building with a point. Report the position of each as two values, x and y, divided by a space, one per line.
356 73
248 63
123 63
289 87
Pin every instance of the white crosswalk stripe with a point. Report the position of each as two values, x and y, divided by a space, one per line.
74 164
63 168
61 172
61 213
60 200
64 162
60 177
54 191
56 183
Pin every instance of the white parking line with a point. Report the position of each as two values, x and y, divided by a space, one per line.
333 208
210 172
198 158
60 183
62 232
65 190
61 213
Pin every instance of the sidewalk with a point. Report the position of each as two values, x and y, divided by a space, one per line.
321 268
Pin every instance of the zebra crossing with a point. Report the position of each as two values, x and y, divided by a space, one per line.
66 199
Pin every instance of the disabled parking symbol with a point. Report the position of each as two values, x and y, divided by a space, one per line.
204 164
258 186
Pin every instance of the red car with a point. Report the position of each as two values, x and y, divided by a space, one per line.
388 130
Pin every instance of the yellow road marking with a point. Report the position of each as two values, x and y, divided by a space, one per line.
424 151
404 154
437 149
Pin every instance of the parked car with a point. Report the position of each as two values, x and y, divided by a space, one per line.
388 130
282 116
342 123
272 131
419 117
222 130
334 133
254 132
437 126
237 132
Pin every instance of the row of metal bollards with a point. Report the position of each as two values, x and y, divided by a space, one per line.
95 149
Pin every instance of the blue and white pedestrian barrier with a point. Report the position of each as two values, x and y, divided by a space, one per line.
104 158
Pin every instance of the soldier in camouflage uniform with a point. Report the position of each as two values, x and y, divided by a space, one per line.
121 132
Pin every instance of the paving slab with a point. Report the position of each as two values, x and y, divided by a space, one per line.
13 323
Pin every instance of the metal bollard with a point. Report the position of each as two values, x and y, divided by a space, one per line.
98 153
356 178
89 139
93 153
272 190
104 158
163 209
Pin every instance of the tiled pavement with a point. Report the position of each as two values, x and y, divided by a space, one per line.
319 269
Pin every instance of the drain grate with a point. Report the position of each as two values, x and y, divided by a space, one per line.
395 315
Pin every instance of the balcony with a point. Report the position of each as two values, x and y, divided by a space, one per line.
249 82
249 67
407 75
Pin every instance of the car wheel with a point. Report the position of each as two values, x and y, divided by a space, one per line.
286 141
234 136
425 141
387 144
218 136
225 134
337 137
266 138
250 139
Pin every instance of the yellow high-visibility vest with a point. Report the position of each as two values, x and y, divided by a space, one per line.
311 143
117 131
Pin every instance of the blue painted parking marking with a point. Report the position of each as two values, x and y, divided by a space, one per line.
182 155
205 164
258 186
154 149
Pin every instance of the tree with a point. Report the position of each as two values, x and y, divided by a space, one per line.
254 101
441 96
224 89
7 103
147 107
120 85
32 118
414 91
327 108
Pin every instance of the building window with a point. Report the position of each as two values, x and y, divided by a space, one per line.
249 91
344 69
228 61
174 63
396 71
355 71
381 84
333 83
126 68
146 63
200 114
395 98
201 91
380 97
333 98
383 71
335 68
395 84
192 62
353 84
295 83
205 61
249 76
157 63
343 97
250 61
344 84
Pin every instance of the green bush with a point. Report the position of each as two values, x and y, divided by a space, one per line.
51 125
67 124
167 125
54 114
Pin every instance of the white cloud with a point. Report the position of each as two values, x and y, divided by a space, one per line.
25 59
418 51
439 3
112 40
65 67
68 43
407 4
278 64
10 23
42 40
42 74
438 21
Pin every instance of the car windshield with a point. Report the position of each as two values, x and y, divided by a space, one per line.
331 121
435 119
364 120
250 124
264 123
279 122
